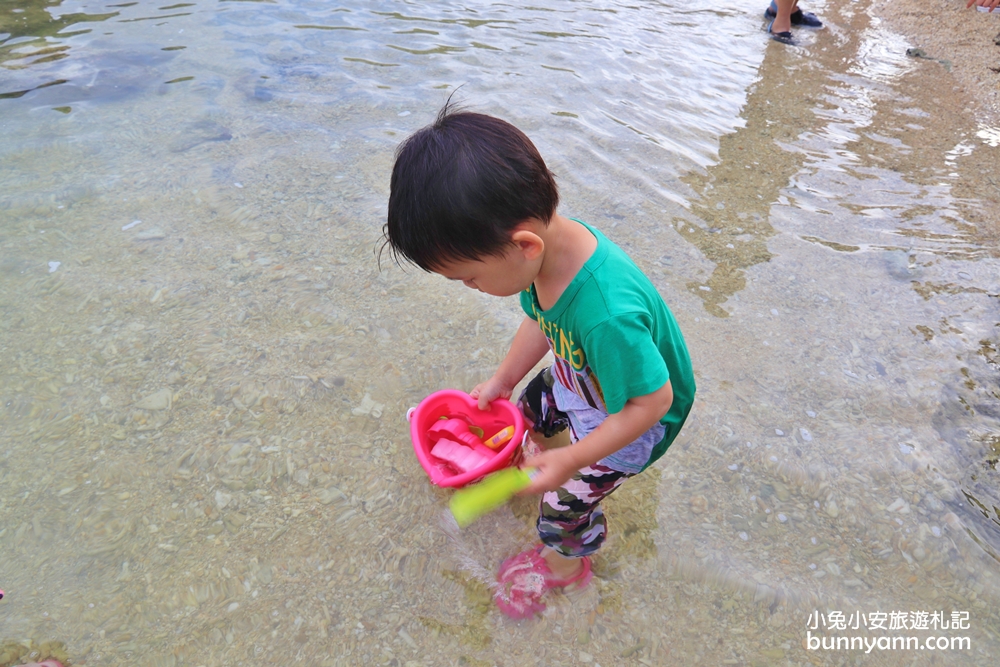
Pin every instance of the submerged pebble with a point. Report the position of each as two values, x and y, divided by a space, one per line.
160 400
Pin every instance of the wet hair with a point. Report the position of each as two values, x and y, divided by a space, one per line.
460 186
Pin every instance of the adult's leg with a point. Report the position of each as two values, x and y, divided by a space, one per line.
783 21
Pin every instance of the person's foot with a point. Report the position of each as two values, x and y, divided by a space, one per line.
525 578
562 568
799 17
783 36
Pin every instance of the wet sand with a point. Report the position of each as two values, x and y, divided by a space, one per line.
968 39
945 29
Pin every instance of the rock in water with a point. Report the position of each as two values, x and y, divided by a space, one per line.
161 400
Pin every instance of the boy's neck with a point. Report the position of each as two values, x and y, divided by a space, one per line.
568 246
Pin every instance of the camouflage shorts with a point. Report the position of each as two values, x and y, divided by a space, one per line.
538 405
570 519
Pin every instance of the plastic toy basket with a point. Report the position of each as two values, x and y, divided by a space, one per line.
454 404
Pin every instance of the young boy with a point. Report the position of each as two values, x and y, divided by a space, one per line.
472 200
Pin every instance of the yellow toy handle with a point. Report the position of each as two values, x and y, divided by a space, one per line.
474 501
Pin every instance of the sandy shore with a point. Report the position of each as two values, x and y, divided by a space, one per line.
946 29
968 38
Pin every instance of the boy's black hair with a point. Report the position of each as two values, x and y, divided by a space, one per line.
460 185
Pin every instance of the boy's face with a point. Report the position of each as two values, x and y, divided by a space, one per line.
498 276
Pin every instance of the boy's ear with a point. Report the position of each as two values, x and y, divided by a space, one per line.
529 243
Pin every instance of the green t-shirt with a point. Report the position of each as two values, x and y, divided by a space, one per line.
614 338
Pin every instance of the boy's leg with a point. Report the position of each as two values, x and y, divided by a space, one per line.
571 522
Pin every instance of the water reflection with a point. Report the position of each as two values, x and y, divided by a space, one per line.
35 33
28 24
734 196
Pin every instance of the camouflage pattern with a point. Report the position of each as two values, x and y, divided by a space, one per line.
570 519
538 405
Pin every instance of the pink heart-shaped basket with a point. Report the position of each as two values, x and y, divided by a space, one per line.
451 403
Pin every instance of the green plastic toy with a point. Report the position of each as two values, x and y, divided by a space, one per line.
474 501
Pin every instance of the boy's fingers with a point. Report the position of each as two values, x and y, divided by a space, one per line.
540 484
532 489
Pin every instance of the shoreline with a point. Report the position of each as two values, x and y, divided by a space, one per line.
968 38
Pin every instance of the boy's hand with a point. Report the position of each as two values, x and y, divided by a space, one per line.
555 467
489 391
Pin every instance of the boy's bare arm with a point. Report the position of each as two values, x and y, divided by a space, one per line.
638 416
526 350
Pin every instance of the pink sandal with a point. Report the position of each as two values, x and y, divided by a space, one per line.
524 578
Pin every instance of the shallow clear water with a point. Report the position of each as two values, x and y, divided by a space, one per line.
203 372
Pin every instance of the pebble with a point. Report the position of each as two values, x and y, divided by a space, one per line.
152 234
368 407
405 636
328 495
275 238
899 505
160 400
222 499
234 522
832 509
233 606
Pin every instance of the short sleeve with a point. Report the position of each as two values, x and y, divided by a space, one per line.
625 360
